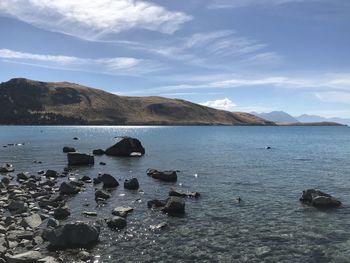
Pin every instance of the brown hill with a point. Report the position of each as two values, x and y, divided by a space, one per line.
24 101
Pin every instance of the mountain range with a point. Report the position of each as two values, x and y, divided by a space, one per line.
283 118
28 102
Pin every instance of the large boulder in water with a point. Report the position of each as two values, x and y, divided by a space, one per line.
318 198
126 147
175 206
108 181
168 176
131 184
80 159
73 235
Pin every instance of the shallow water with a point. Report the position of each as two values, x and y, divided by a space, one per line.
269 225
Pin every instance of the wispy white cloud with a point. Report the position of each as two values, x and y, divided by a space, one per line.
113 66
94 19
322 83
222 104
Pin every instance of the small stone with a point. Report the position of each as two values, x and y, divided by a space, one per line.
102 194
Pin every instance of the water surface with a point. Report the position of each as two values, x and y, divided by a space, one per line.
222 163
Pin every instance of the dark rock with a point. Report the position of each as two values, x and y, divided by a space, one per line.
125 147
168 176
17 206
41 172
75 138
174 206
97 180
318 198
6 180
102 194
51 222
102 163
7 168
86 179
108 181
22 176
51 174
122 211
61 213
156 203
80 159
68 149
86 213
98 152
131 184
184 194
73 235
116 222
68 189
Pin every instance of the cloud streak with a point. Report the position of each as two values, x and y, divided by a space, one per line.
94 20
113 66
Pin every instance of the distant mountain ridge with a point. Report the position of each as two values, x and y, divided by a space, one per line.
28 102
276 116
316 118
284 119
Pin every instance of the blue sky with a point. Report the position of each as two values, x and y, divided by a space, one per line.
239 55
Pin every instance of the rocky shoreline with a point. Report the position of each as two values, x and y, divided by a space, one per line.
35 224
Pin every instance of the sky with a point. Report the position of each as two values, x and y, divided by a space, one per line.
237 55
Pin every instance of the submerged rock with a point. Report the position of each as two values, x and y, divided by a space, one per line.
116 222
318 198
108 181
131 184
68 149
168 176
98 152
73 235
102 194
80 159
184 194
125 147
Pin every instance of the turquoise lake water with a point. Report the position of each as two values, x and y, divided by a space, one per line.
222 163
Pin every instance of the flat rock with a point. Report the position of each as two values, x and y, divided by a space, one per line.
26 257
167 176
122 211
32 221
184 194
102 194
